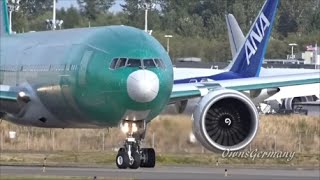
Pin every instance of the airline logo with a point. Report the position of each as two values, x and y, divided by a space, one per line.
256 36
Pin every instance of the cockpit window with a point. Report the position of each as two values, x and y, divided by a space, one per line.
121 63
113 63
131 62
159 63
134 63
149 63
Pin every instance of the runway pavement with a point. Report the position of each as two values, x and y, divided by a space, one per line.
165 173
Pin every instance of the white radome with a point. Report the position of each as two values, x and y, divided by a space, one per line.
143 86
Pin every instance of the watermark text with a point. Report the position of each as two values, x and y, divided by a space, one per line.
256 154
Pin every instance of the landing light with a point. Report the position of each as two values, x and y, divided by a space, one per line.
134 127
125 128
22 94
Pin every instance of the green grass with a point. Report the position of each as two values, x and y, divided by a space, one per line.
300 134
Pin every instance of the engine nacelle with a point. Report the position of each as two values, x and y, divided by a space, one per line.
289 103
225 120
259 96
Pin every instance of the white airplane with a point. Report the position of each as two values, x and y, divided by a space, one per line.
287 96
276 98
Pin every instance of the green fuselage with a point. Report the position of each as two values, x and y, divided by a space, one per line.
68 73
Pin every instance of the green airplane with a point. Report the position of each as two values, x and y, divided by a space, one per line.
120 76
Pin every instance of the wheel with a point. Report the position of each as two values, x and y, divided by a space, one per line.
121 150
149 158
122 160
136 160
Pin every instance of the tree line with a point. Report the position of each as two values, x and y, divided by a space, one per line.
198 26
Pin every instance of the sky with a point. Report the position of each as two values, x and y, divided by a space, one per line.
69 3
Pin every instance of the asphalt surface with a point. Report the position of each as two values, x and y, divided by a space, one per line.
164 173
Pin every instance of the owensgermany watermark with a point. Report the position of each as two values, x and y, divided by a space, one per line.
256 154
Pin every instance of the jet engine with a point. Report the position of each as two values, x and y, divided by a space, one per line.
289 103
259 96
225 120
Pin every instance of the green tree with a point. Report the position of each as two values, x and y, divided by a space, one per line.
35 7
315 19
19 22
71 17
178 15
92 8
212 14
295 16
29 10
277 49
134 10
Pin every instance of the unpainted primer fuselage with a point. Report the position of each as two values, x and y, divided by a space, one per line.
67 74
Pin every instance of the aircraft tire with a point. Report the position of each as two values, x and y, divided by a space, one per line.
136 160
150 158
122 160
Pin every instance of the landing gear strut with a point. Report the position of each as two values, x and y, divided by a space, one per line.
131 155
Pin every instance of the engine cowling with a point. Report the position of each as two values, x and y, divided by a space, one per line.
225 120
289 103
259 96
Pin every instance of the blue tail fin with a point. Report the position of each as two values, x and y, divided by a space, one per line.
4 20
248 61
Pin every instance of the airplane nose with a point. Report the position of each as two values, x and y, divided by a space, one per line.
143 86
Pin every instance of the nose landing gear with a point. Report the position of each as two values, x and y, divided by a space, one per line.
131 155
